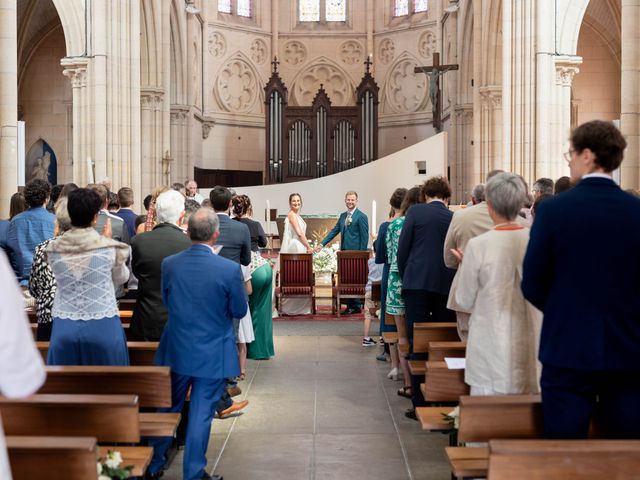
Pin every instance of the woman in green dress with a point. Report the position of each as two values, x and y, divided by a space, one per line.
394 302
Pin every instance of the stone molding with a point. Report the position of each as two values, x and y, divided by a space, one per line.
351 52
151 98
386 51
464 112
294 52
491 95
217 44
566 69
207 124
259 51
76 70
427 45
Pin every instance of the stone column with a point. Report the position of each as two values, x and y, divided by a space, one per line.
76 70
152 102
490 145
566 68
8 104
630 100
462 165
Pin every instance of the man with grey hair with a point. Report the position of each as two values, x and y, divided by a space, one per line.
542 186
148 252
466 224
203 293
477 194
192 191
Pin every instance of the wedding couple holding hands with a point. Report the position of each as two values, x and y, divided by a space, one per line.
353 227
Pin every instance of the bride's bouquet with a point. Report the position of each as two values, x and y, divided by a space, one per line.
326 260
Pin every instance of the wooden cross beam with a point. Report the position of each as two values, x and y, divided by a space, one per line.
434 72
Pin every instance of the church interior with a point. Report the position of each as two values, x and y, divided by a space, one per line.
324 98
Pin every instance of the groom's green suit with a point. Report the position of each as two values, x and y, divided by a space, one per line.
354 236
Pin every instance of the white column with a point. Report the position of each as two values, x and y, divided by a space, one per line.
630 100
76 70
490 132
8 104
557 143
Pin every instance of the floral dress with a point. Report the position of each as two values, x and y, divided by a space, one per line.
395 303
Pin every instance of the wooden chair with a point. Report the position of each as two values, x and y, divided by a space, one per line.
296 279
564 459
351 278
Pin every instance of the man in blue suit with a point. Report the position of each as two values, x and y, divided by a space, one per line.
582 269
203 293
353 227
234 236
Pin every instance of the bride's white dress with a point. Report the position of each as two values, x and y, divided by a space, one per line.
291 244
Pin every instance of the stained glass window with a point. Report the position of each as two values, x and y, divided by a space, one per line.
244 8
309 10
401 8
224 6
420 5
336 10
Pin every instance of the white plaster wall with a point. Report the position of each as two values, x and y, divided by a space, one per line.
45 97
596 89
375 181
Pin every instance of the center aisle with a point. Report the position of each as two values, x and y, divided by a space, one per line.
322 409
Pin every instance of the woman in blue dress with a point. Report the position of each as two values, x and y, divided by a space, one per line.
87 267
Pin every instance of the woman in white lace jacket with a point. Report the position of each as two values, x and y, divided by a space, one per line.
87 266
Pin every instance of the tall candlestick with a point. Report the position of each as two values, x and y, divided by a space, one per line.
268 217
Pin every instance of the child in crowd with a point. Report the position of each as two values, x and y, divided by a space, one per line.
375 275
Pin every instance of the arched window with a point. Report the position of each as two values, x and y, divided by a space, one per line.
322 10
242 8
420 6
409 7
401 8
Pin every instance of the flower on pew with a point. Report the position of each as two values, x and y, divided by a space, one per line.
109 467
326 260
452 418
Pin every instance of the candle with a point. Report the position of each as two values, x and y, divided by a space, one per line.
268 217
374 208
91 174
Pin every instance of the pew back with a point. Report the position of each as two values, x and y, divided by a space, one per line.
426 332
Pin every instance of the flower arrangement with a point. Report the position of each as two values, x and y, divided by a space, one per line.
452 418
109 467
326 260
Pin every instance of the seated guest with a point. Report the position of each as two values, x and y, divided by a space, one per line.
17 205
242 212
86 325
147 253
198 342
30 228
125 199
504 328
42 283
562 185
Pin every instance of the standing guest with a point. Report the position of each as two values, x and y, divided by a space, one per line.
242 212
395 304
198 342
353 227
426 280
56 190
190 207
234 236
245 335
119 230
382 258
125 199
504 328
207 203
151 209
16 205
542 186
581 270
562 185
147 202
42 283
375 275
537 202
21 369
192 191
67 189
30 228
477 194
114 204
86 326
179 187
147 253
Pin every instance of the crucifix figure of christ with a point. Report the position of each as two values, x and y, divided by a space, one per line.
434 72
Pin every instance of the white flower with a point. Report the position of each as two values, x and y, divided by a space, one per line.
103 477
99 465
114 459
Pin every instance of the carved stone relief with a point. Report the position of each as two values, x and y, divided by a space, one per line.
259 52
334 81
217 44
387 51
427 44
295 52
405 91
237 86
351 52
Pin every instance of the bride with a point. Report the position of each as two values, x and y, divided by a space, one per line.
294 240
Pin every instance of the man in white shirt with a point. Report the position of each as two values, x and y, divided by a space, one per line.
192 192
21 368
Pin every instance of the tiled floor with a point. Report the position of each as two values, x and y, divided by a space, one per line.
322 409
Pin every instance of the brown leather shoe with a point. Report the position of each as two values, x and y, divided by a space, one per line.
236 407
234 391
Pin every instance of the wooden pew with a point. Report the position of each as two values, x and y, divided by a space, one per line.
126 304
438 351
125 326
109 418
483 418
442 384
140 353
54 458
564 459
152 385
424 333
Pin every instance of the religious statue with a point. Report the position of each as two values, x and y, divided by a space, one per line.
41 170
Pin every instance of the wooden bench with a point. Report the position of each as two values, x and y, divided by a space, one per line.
442 384
127 304
427 332
152 385
432 418
483 418
140 353
54 458
438 351
564 459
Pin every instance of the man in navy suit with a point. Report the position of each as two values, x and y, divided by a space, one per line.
353 227
582 269
234 236
203 292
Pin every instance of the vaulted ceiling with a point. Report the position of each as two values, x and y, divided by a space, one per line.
36 18
604 16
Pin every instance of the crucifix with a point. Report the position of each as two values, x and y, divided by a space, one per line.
434 72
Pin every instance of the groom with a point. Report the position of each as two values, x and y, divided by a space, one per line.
353 227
